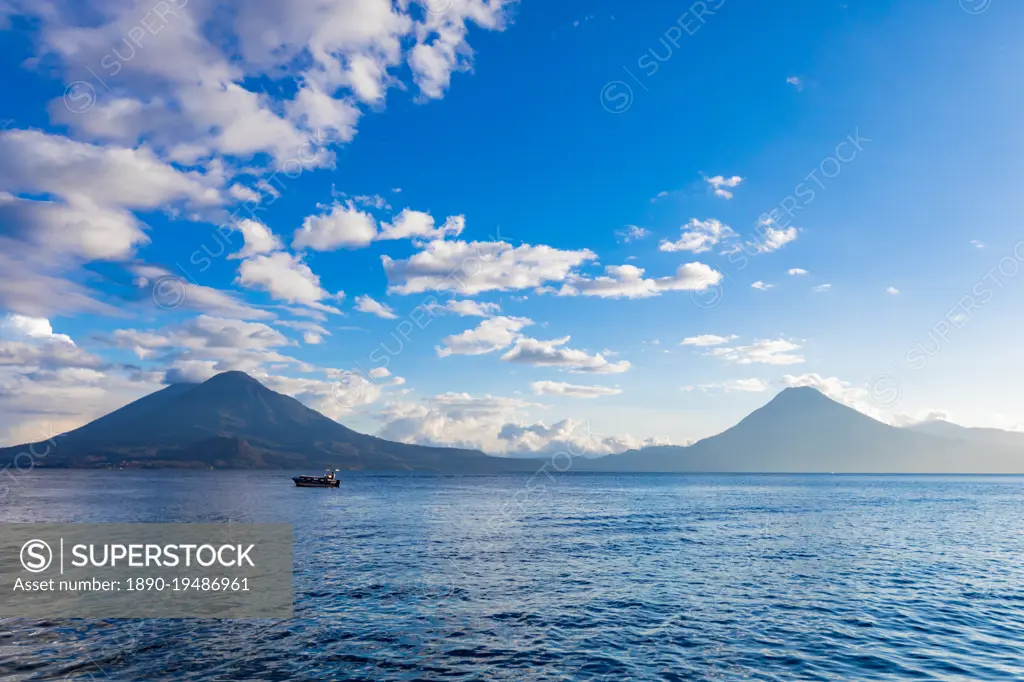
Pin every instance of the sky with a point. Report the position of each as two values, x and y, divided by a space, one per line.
488 223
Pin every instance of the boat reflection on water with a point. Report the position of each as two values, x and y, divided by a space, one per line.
328 480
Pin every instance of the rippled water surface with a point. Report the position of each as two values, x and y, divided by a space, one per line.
570 577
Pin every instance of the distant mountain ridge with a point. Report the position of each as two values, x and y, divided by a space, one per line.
803 431
233 421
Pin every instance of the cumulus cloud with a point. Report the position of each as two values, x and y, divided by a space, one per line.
773 239
22 327
722 185
577 438
286 277
184 88
258 239
761 286
345 226
821 288
419 225
49 385
554 353
366 304
698 236
707 340
196 349
452 419
490 335
496 425
471 268
628 281
572 390
171 119
91 190
796 272
761 351
342 226
892 291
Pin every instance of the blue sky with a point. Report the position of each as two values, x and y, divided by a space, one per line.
553 141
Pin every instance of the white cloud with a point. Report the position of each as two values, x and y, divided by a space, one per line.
553 353
496 425
741 385
21 327
762 351
821 287
411 224
258 239
343 393
39 402
134 178
243 193
452 419
631 233
76 227
569 435
286 278
180 85
466 308
199 348
490 335
365 304
472 268
892 291
572 390
202 333
345 226
722 185
46 355
772 238
761 286
441 48
699 236
628 281
796 272
90 193
707 340
342 226
976 244
29 287
796 82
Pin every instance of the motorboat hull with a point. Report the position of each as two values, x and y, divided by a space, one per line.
316 483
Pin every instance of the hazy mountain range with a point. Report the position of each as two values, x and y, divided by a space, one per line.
233 421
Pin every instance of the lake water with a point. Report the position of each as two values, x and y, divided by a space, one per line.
593 577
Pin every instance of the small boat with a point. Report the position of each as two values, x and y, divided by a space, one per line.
328 480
